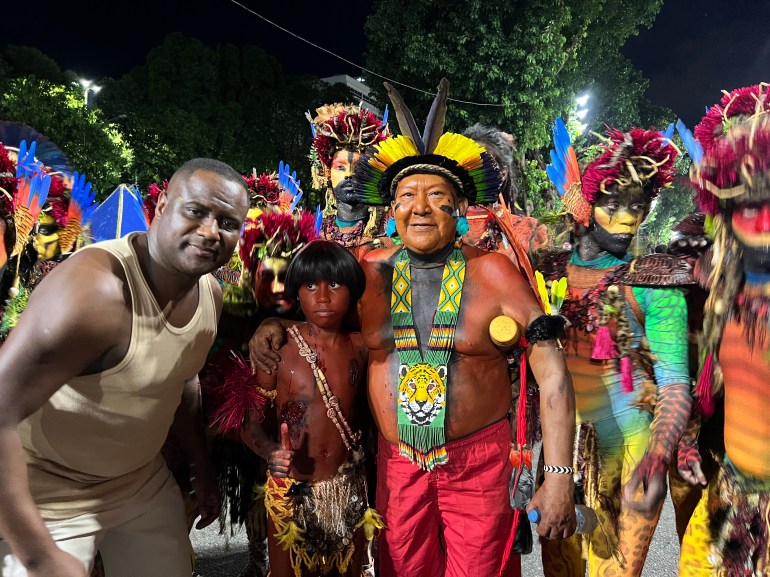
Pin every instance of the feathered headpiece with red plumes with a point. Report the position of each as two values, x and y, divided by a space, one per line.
734 168
275 234
337 126
281 229
263 188
642 157
732 135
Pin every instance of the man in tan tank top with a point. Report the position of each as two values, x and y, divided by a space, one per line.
102 363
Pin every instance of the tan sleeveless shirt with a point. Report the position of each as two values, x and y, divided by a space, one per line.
97 440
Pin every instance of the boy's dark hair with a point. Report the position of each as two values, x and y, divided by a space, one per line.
325 260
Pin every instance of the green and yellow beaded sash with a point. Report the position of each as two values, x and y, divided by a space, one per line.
422 389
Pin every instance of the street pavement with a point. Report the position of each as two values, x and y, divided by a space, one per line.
224 556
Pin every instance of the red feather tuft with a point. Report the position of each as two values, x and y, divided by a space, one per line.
703 390
740 102
234 397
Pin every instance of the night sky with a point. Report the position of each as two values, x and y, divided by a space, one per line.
695 48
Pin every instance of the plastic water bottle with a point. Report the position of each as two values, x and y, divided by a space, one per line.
586 519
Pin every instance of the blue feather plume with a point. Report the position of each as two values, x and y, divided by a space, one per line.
693 147
557 170
669 133
319 218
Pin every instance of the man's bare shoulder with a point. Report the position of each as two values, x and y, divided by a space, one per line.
494 261
92 273
79 311
380 255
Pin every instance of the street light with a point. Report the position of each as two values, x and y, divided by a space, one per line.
582 111
89 88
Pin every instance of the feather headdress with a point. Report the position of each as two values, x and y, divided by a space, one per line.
735 167
277 230
734 137
637 157
79 210
467 165
337 126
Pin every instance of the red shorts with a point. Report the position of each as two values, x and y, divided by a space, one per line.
452 521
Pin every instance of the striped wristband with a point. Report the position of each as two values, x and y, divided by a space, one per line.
562 470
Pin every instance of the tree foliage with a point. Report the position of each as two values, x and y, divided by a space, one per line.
58 111
231 103
529 59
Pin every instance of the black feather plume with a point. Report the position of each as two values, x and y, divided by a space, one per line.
406 122
434 125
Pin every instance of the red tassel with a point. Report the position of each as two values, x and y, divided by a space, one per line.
626 374
605 347
234 397
703 390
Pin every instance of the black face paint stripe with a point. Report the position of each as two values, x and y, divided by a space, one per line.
351 156
397 206
447 209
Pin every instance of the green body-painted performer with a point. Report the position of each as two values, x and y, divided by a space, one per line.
626 350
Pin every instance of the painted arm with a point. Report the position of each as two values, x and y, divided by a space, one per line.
666 329
278 455
689 463
555 497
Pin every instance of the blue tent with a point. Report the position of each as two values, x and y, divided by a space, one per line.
120 213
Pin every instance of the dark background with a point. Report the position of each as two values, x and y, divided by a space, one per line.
695 49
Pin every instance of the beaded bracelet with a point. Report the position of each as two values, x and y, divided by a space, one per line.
557 469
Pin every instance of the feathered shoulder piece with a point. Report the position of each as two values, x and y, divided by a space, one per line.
466 164
641 157
33 184
564 174
661 269
80 207
337 126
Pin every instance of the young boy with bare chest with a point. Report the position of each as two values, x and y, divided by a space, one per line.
318 520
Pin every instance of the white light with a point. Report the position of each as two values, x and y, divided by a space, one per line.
88 86
581 114
582 128
582 100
